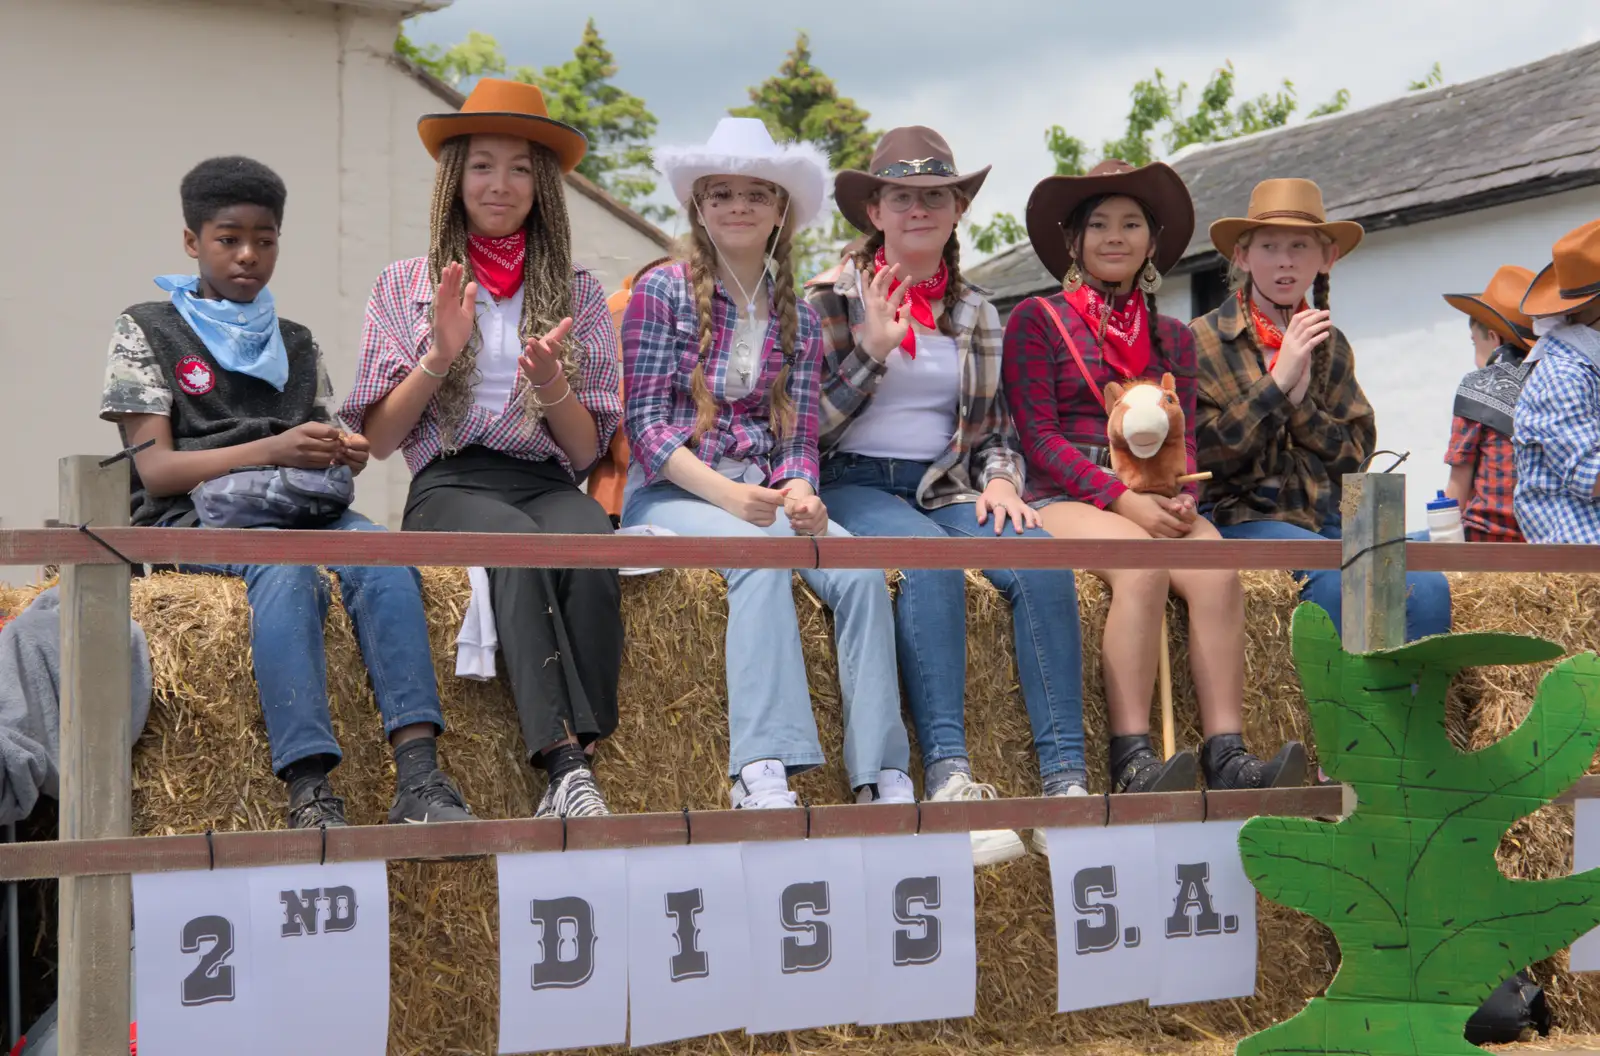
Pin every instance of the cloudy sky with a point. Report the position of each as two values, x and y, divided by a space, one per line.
992 75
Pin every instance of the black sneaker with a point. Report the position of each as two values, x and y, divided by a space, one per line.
315 806
1146 772
436 799
1229 765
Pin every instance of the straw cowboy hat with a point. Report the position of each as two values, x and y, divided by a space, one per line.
1285 203
1497 308
1157 185
505 108
742 146
913 156
1570 282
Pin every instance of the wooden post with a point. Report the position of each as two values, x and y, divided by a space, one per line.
96 767
1373 585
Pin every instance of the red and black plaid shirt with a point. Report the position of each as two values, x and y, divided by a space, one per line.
1489 516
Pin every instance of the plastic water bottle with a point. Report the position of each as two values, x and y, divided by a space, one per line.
1444 520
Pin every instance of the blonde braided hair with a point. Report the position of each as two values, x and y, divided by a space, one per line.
546 275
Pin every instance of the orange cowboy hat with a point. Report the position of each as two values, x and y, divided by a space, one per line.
1498 308
1157 185
505 108
1571 281
1285 203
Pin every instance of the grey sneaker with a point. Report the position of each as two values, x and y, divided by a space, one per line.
435 799
574 796
316 806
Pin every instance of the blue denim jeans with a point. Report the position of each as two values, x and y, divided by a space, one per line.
288 606
1427 593
876 496
769 703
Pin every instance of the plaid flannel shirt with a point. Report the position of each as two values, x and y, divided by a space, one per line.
398 331
1557 441
660 347
1488 517
1250 436
1061 421
984 447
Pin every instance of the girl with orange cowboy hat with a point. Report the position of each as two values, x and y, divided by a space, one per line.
1108 236
491 363
1482 471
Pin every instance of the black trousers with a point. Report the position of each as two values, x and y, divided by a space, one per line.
560 630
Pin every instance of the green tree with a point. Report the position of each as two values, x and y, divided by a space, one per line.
477 56
617 123
1159 110
1434 78
801 102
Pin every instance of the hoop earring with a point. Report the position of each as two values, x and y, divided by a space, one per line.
1072 281
1149 278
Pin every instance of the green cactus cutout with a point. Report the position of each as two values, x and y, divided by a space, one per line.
1427 924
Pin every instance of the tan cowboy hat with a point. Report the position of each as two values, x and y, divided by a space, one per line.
913 156
1157 185
505 108
1571 281
1497 307
1285 203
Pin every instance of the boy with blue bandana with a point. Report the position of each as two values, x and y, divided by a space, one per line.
219 383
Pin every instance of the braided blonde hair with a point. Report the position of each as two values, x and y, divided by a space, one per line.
701 255
546 275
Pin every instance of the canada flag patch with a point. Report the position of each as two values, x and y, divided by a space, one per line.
195 376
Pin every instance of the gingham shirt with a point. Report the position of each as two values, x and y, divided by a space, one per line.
1488 517
984 446
660 346
397 334
1557 441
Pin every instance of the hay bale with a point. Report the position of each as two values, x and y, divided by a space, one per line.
203 763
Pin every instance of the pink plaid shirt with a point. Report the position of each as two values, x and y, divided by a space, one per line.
397 334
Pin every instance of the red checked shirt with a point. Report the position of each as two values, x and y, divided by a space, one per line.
1061 422
398 332
1489 517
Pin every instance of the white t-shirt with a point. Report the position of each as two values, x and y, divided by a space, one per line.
502 347
912 414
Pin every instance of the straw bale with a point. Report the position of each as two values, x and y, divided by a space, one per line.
203 763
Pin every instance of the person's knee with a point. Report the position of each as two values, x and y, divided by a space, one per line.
287 581
1429 594
1148 585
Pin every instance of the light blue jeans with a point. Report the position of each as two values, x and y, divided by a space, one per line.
769 702
877 496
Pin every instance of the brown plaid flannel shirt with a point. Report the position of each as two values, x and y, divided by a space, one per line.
1248 433
985 445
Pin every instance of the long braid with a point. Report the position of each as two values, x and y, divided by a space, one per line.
703 283
866 257
1319 291
783 297
952 289
447 244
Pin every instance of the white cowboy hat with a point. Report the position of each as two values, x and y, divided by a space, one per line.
742 146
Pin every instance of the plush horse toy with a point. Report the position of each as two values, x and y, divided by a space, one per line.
1145 428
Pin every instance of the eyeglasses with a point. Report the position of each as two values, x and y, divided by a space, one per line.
921 167
901 199
720 197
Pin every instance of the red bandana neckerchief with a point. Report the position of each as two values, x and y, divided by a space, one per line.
497 262
1124 335
920 300
1269 335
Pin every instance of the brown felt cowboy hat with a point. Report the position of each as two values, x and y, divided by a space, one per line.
1497 308
1285 203
1157 185
1571 281
913 156
505 108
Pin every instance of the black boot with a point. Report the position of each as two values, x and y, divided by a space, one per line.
1135 767
1228 765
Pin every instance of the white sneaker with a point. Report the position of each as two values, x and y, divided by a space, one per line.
574 796
763 785
894 786
990 847
1036 836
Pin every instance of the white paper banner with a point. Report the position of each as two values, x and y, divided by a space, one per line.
921 928
226 956
1586 855
1208 933
1108 915
807 934
688 945
563 950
